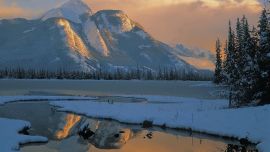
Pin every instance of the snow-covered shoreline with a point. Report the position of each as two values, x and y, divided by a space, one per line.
201 115
251 123
10 139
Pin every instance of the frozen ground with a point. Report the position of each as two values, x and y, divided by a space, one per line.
10 139
202 90
209 116
195 106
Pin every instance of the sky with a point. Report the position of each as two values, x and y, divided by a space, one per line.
195 23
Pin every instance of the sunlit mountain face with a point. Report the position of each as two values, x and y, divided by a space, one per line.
170 21
79 37
71 37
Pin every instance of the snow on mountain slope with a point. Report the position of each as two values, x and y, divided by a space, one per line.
116 21
72 38
72 10
194 52
94 37
43 48
200 63
127 40
199 58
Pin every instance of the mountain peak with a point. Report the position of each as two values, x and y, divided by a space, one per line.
115 20
71 10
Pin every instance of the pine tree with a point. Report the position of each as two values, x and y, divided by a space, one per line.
225 64
218 71
264 58
229 65
247 80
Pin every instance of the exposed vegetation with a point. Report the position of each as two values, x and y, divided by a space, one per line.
117 74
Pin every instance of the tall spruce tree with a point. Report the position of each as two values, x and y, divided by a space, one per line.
264 58
218 71
246 67
229 65
224 63
247 80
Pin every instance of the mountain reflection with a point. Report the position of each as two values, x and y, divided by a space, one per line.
71 120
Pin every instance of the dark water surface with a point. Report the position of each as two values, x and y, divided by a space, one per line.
107 136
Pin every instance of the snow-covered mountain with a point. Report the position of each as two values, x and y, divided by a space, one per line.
72 10
71 37
200 58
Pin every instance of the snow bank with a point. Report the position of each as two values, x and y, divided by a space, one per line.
9 137
252 123
209 116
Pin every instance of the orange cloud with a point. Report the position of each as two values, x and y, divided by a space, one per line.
13 11
139 4
193 22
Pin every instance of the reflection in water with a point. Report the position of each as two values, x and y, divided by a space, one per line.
110 135
241 148
71 120
62 130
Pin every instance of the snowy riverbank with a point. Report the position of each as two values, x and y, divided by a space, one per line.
208 116
10 139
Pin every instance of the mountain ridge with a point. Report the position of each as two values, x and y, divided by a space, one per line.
83 41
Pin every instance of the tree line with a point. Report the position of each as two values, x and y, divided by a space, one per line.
101 74
244 63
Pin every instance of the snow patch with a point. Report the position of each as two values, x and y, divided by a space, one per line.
57 59
125 25
71 10
200 63
94 37
73 39
207 116
144 46
10 139
142 34
146 56
30 30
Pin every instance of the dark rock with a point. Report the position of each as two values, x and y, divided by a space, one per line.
116 135
86 133
245 142
121 132
149 135
24 131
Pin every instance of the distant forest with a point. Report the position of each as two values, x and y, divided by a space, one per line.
100 74
244 63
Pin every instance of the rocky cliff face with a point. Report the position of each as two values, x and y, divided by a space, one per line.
71 37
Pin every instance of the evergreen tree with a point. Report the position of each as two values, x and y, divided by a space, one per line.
248 69
264 58
218 71
229 65
225 64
